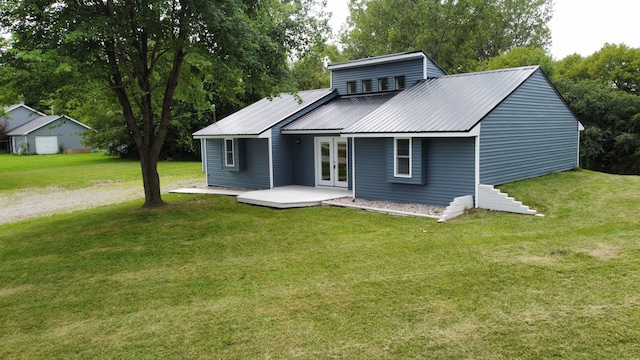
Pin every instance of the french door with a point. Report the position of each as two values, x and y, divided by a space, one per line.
332 162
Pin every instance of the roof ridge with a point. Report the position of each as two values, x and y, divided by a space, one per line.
484 72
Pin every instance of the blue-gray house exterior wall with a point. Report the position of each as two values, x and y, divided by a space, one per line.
412 70
530 134
252 161
18 117
448 171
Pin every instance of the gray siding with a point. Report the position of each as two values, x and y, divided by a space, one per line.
303 162
69 135
254 173
530 134
19 116
434 70
448 170
412 70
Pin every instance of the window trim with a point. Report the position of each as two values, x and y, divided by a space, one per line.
228 152
367 81
396 157
395 82
386 83
355 87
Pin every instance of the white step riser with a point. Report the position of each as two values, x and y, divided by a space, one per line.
493 199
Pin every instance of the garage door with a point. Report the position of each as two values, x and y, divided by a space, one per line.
46 144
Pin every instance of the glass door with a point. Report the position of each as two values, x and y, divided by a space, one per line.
332 166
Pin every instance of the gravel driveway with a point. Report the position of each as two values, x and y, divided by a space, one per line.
31 203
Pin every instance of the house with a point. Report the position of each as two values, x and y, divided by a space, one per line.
31 131
398 128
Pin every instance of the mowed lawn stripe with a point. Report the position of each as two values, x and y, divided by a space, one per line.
207 277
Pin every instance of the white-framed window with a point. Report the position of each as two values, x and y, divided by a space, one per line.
229 153
402 157
399 82
366 86
383 84
351 87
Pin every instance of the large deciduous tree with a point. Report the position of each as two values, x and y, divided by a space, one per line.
602 90
150 53
458 34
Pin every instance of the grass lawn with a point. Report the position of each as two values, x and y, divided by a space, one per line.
81 170
210 278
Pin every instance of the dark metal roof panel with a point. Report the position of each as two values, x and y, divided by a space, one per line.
264 114
453 103
340 112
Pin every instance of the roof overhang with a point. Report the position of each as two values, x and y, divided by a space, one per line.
228 136
311 132
378 60
475 131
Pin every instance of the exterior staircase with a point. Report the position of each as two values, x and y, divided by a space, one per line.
493 199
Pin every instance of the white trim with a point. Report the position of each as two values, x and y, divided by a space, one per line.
226 136
334 167
203 154
376 60
270 146
353 167
310 132
9 109
477 169
461 134
395 157
226 152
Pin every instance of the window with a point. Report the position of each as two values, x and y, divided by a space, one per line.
402 156
399 80
229 158
366 86
351 87
383 84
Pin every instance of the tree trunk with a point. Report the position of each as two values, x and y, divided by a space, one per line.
150 179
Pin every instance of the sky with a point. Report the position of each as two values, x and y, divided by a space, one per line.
577 26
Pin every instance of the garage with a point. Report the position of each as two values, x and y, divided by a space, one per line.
46 144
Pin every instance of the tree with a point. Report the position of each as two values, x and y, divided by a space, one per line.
523 56
150 53
602 90
458 34
310 71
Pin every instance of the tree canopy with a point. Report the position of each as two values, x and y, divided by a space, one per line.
458 34
148 56
602 90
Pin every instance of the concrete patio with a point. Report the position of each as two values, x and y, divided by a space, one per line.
292 196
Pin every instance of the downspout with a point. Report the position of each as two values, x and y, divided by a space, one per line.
353 167
477 169
270 144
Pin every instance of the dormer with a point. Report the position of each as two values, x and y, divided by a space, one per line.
383 73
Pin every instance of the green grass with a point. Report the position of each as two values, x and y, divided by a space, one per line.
81 170
210 278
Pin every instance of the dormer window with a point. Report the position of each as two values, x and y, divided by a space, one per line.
366 86
399 82
383 84
351 87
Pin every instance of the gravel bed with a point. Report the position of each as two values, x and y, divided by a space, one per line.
32 203
389 207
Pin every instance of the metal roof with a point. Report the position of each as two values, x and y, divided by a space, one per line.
453 103
262 115
378 60
340 112
40 122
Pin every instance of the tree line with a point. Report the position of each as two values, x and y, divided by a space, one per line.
146 74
